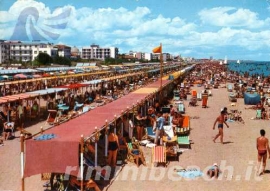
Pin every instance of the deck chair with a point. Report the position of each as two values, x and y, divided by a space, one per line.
77 106
168 129
258 114
181 107
183 141
135 155
159 155
52 117
85 109
199 96
204 100
149 134
185 128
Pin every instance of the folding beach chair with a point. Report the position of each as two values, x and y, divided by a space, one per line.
185 128
52 117
168 129
135 154
258 114
199 96
204 100
85 109
159 155
77 106
183 141
181 107
149 134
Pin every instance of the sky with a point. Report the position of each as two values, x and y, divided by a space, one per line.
236 29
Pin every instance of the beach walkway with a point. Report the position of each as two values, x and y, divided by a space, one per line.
238 155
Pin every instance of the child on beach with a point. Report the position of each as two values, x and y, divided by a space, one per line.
220 120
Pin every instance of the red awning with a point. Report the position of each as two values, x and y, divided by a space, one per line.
72 86
60 153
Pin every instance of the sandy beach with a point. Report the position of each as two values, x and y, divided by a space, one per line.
237 158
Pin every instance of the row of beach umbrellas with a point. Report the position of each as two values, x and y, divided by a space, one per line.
24 76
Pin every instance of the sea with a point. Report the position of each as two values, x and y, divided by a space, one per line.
252 68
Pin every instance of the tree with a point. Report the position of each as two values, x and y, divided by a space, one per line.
44 58
62 60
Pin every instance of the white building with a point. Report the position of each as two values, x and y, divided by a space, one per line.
43 48
96 52
28 51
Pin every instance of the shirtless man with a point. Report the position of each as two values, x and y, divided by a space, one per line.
262 147
220 120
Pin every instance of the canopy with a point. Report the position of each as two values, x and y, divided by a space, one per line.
16 97
47 91
57 154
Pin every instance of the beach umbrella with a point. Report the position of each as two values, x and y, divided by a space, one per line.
20 76
46 75
37 76
5 76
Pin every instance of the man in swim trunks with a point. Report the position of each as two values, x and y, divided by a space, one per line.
262 147
220 120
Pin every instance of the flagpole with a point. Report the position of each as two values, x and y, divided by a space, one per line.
161 72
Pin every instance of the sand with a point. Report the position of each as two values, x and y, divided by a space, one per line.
238 155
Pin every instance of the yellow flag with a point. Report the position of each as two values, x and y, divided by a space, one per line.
157 49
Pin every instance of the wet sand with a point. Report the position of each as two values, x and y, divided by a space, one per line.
239 155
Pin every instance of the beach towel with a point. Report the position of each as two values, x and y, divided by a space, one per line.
191 174
45 137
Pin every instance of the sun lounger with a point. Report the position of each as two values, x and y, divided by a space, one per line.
183 141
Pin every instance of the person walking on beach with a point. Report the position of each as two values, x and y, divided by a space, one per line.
220 120
262 147
159 127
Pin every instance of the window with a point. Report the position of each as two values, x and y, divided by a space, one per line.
35 52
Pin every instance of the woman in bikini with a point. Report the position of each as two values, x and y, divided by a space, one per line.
262 147
220 120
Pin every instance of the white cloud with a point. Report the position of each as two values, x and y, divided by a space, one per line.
232 17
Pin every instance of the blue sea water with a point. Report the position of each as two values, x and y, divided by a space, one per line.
251 67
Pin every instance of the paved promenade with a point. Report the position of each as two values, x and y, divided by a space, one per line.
238 155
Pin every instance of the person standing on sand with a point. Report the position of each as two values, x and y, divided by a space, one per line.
220 120
262 147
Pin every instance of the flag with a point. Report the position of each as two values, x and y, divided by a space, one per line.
157 49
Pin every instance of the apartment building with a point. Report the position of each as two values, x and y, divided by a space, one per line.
28 51
63 50
96 52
